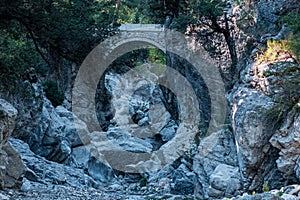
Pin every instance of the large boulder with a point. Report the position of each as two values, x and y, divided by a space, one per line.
224 180
50 132
287 140
209 161
253 128
42 172
12 168
183 181
54 135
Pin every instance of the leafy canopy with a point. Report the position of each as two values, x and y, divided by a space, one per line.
17 54
68 28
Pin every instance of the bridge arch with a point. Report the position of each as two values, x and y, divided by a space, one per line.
143 41
151 34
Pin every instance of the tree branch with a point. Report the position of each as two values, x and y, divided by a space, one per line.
35 42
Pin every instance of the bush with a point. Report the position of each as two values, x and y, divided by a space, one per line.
273 51
143 182
16 56
293 23
266 186
287 87
53 93
290 45
156 56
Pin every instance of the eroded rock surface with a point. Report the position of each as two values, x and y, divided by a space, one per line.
287 140
12 168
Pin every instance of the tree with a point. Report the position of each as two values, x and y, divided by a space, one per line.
205 18
17 54
160 10
61 28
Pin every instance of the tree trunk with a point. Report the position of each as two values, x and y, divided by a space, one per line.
232 50
231 46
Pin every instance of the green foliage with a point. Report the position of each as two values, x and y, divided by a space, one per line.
206 20
129 60
26 90
205 8
67 28
202 13
280 193
53 93
128 15
274 50
139 57
267 73
17 54
294 43
156 56
143 182
209 21
266 186
131 12
293 23
158 10
288 89
40 33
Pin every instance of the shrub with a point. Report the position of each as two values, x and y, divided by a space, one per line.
143 182
53 93
280 193
16 56
156 56
293 23
273 51
266 186
287 88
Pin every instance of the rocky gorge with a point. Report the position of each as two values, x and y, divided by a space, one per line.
255 155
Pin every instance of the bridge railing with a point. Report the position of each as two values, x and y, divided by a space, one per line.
142 27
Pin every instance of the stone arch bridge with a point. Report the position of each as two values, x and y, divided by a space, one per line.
136 36
154 34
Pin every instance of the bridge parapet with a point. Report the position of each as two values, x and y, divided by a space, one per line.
142 27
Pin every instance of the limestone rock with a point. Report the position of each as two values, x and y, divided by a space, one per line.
8 115
183 181
51 133
226 180
98 168
269 13
44 172
259 197
287 140
253 128
250 123
12 169
223 152
126 142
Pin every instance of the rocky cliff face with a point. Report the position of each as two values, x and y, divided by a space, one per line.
12 168
255 121
260 146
